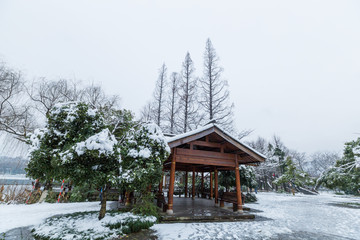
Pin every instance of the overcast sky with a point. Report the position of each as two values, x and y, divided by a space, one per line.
293 67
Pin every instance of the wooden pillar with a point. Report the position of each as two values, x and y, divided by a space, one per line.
127 196
216 187
161 183
171 186
202 184
211 186
193 184
238 188
186 183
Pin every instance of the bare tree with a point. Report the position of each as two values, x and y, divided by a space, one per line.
159 95
172 103
189 116
45 94
15 116
215 95
95 96
244 133
319 162
147 113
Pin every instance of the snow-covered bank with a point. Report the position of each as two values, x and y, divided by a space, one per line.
313 215
21 215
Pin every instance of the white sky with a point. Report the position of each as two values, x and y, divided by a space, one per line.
293 66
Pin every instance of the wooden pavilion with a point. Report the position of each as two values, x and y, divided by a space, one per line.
207 149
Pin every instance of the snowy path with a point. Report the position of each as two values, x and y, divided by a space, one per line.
294 217
21 215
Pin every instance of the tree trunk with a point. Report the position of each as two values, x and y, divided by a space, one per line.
103 203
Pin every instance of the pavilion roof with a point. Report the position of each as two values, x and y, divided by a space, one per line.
252 155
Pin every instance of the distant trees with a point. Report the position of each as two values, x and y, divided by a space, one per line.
197 100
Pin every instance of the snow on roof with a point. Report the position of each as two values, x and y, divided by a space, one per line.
206 127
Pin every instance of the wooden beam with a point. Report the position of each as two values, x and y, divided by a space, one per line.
202 153
207 161
207 144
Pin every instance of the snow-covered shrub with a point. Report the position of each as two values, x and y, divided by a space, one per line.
76 145
143 153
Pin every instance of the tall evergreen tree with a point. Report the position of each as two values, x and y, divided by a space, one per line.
172 104
188 96
159 95
215 95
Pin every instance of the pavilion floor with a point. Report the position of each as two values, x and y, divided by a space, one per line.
203 210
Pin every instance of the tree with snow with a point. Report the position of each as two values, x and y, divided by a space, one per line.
76 145
292 176
345 174
143 153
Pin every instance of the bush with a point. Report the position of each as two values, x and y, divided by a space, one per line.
250 197
146 207
135 226
82 193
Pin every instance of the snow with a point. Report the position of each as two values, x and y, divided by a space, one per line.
14 177
103 141
88 225
21 215
301 216
156 134
143 153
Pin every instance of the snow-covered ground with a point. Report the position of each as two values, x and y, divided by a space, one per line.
292 217
21 215
288 217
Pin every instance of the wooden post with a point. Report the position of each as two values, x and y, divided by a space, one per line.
186 183
128 200
161 183
171 186
238 188
211 186
193 184
202 184
216 187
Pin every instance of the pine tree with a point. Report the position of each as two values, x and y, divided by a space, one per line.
215 95
189 116
159 95
172 104
345 174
